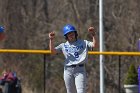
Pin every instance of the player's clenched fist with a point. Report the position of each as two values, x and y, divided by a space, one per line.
51 35
92 31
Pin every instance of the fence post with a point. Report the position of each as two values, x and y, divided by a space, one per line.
139 65
44 63
119 89
139 44
139 77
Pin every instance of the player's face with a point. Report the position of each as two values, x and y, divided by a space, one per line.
71 37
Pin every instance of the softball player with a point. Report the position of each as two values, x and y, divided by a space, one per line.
76 54
2 35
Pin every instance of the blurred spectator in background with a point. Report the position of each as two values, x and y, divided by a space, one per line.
2 34
9 82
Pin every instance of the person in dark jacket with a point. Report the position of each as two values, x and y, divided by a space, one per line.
8 80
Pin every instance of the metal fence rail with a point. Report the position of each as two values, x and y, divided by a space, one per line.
48 52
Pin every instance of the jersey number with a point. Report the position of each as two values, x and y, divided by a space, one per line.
76 54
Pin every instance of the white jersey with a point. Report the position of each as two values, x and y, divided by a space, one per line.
75 53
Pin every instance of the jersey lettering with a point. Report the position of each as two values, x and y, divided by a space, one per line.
76 54
73 49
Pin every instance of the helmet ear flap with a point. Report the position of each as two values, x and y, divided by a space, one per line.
66 37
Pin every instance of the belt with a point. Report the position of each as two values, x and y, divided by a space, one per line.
78 65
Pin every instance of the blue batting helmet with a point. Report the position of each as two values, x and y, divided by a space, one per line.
68 28
1 29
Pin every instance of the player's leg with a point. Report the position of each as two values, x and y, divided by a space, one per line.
69 80
81 80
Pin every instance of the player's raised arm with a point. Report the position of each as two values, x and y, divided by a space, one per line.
92 31
51 42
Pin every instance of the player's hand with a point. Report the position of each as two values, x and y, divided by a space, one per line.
51 35
92 31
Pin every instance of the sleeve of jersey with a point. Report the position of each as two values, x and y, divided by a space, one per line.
59 48
89 45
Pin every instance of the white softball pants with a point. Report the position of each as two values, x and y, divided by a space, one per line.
75 79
